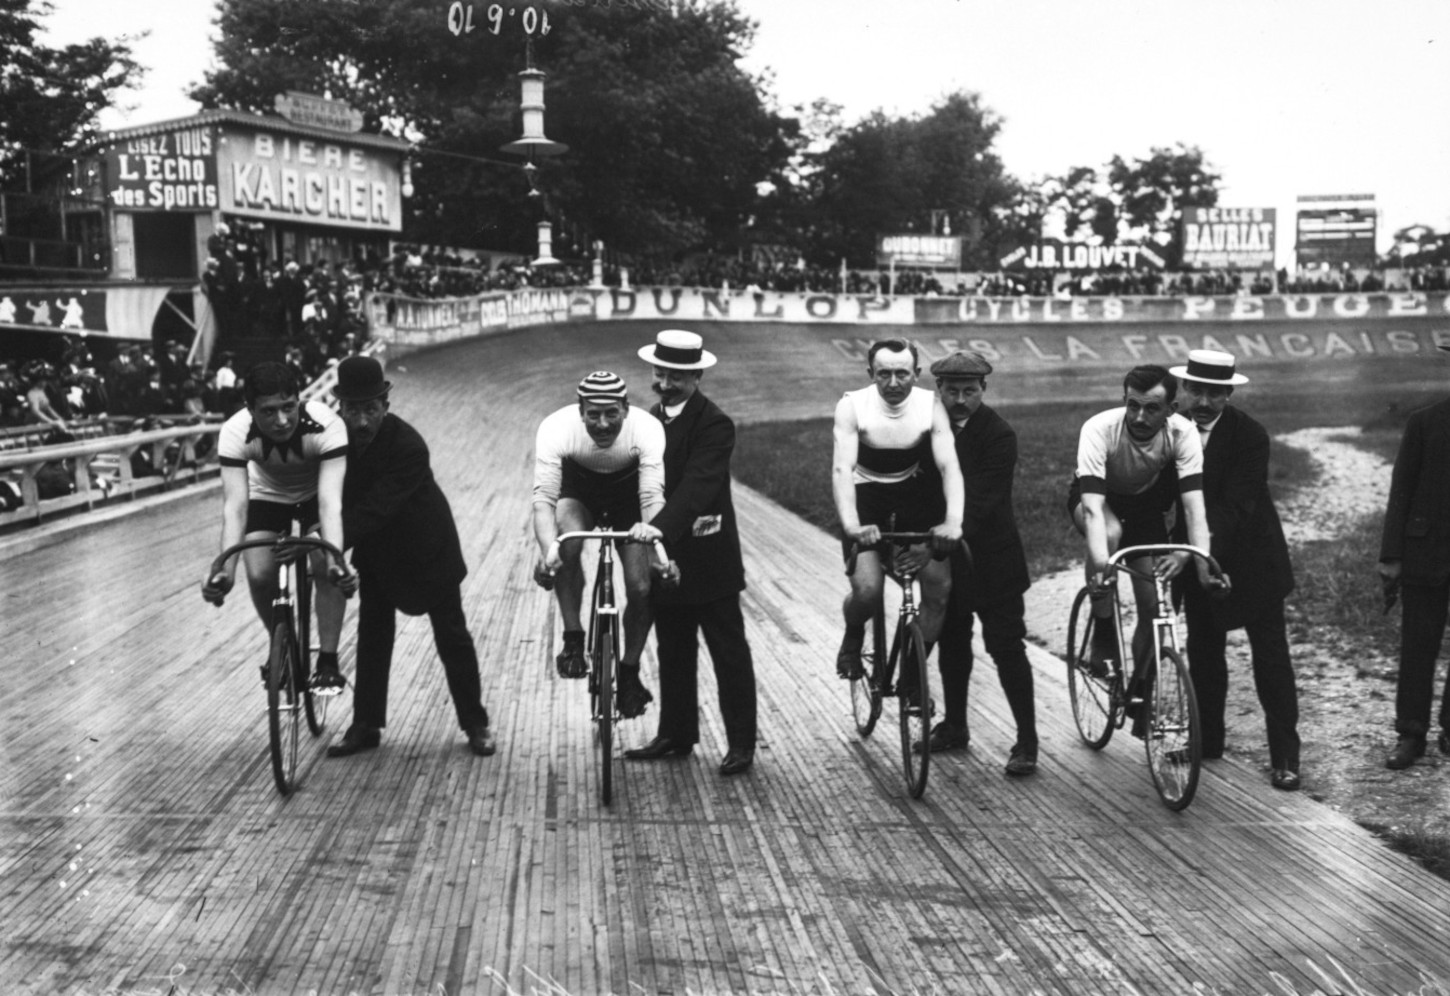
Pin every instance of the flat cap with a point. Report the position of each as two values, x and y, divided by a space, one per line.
962 363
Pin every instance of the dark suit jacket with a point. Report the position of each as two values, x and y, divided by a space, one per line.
698 519
1248 541
397 520
987 452
1417 516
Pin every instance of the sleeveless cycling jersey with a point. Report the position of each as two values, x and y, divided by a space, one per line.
894 442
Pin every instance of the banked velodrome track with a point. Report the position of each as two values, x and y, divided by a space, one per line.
143 848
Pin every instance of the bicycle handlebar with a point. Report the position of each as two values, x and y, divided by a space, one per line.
1116 561
902 540
612 534
277 542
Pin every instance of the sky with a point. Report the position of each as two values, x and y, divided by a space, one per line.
1285 97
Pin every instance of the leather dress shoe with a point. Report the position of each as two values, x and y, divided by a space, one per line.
1285 780
657 748
355 740
945 736
1022 761
1406 751
480 741
737 761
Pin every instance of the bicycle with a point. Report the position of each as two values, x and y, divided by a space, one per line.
908 649
1160 689
289 660
603 643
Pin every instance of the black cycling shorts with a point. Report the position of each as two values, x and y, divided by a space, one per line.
917 503
277 517
1142 515
615 496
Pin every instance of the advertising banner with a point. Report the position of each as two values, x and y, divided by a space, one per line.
1055 254
1127 310
285 177
1343 236
171 171
119 312
1216 238
693 303
934 251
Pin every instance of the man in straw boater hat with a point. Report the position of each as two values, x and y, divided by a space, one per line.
405 547
698 526
1248 543
1415 565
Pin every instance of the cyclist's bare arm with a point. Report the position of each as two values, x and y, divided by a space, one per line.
846 448
546 529
1095 532
330 475
234 523
1196 514
944 451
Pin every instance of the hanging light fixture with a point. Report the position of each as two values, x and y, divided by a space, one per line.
531 102
546 245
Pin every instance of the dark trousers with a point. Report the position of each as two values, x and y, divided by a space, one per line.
677 629
1273 676
1422 629
1003 630
376 625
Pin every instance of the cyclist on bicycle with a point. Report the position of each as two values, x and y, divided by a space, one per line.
888 439
1132 463
284 460
599 458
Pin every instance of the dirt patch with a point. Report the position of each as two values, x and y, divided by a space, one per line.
1346 700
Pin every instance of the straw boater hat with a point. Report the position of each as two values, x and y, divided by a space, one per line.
678 350
1209 366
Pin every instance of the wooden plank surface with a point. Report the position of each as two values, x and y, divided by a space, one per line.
143 846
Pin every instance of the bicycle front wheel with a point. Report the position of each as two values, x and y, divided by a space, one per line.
1172 738
915 719
316 705
866 690
284 715
1095 698
606 657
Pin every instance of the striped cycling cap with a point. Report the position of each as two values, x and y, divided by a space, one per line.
602 385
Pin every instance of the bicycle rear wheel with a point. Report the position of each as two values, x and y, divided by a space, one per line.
1096 699
284 715
316 705
915 720
1173 739
601 688
866 690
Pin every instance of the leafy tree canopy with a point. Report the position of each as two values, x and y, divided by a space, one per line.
51 98
668 137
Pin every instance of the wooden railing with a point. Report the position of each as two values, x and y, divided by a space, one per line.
100 470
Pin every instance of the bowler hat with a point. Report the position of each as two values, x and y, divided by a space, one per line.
1209 366
360 378
678 350
961 365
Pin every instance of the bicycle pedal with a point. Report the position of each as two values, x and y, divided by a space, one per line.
328 692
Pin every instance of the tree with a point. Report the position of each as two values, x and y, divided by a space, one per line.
668 137
51 98
891 175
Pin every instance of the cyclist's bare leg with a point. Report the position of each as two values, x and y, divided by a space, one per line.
1102 603
572 517
261 575
638 616
1145 596
330 602
864 598
936 585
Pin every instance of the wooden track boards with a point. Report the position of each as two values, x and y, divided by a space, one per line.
144 849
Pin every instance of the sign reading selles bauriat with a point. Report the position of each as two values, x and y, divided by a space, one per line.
1219 237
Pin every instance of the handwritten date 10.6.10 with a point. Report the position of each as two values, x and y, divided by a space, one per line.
532 20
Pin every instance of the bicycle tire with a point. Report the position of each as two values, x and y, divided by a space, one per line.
606 652
915 723
316 705
1096 701
866 690
283 715
1172 738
